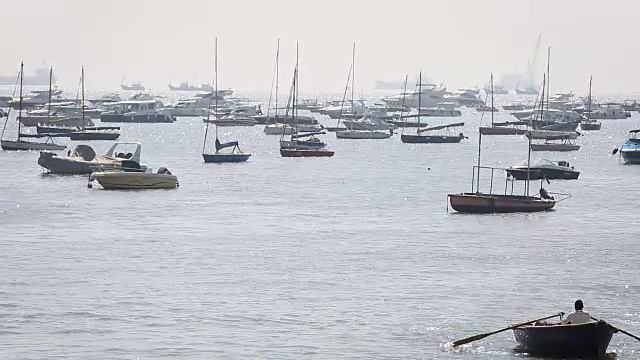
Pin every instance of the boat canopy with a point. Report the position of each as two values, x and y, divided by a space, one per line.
220 146
433 128
634 131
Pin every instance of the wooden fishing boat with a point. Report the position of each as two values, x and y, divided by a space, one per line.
477 202
589 340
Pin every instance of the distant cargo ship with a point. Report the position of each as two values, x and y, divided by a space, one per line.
41 77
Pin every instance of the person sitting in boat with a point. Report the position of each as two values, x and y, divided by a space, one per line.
578 316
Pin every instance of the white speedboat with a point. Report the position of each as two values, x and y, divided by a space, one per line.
466 98
84 160
132 177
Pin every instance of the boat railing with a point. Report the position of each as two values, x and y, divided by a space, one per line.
508 183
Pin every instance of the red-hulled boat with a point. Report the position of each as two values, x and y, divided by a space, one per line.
479 203
589 340
306 153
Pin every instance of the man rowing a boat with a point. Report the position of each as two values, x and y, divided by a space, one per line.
578 316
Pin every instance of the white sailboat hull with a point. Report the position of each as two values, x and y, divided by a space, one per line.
355 134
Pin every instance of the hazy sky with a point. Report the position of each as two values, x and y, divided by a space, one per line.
458 42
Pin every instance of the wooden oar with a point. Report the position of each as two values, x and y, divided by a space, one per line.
482 336
620 330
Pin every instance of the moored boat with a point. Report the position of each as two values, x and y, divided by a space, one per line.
630 150
588 340
306 153
83 159
544 169
131 177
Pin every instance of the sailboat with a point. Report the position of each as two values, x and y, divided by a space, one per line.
235 154
350 132
93 133
499 128
431 138
482 203
587 123
21 144
306 144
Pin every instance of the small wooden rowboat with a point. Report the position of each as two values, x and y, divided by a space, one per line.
588 340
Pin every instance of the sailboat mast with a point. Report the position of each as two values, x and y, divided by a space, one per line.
20 102
215 78
82 103
277 78
547 79
404 95
492 99
589 98
419 96
527 185
50 81
353 77
294 108
206 129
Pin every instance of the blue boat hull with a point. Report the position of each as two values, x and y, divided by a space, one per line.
225 158
630 156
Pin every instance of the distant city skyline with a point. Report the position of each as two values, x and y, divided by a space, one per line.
458 43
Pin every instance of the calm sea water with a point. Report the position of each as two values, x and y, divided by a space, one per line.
354 256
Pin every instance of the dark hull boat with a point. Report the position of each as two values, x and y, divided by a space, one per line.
589 340
590 126
478 203
429 139
93 135
542 173
497 130
630 155
306 153
544 169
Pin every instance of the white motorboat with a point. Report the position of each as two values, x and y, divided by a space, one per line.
497 89
548 114
430 94
607 112
371 121
351 108
84 159
286 129
132 177
138 111
466 98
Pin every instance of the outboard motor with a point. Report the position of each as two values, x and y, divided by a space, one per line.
164 170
